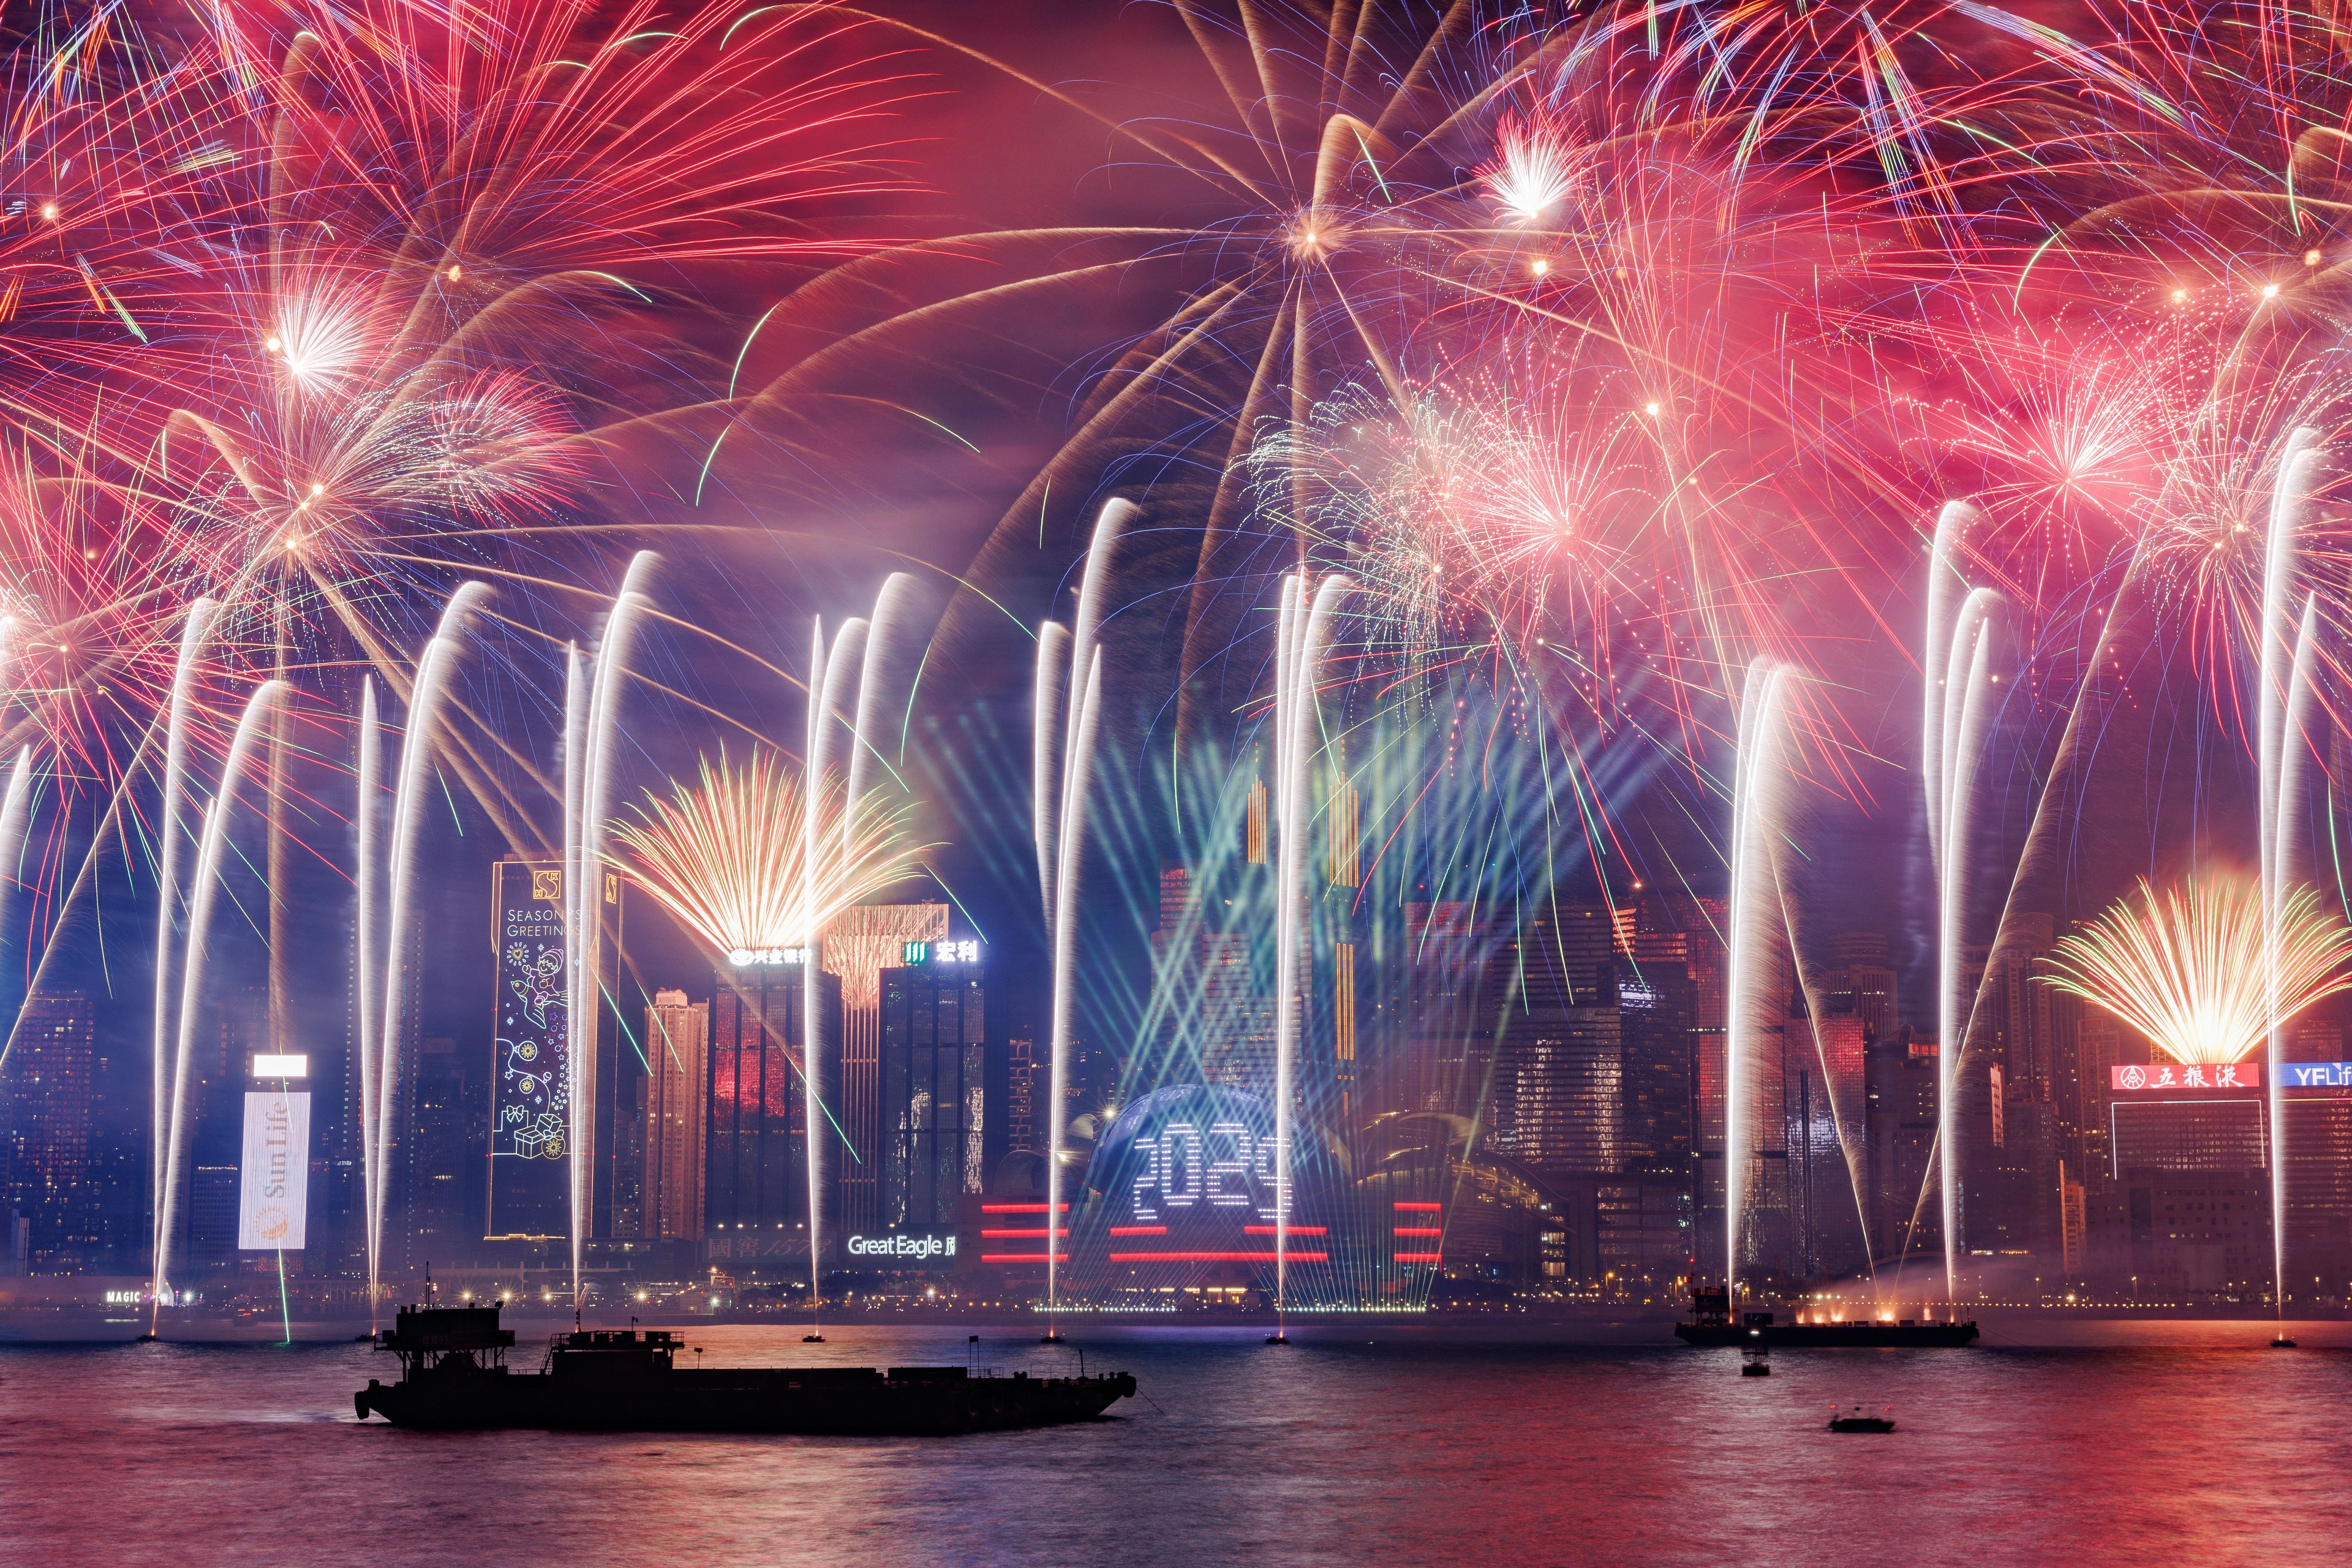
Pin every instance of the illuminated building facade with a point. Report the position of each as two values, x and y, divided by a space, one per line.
1558 1054
932 1147
45 1104
1906 1219
676 1111
858 946
2187 1213
755 1184
441 1225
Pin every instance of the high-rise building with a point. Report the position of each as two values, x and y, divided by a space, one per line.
532 1073
1558 1103
1442 1009
755 1188
1907 1218
1647 1222
215 1106
934 1146
212 1216
2316 1146
677 1102
1703 926
46 1102
1022 1134
1823 1100
858 946
439 1220
1860 983
2010 1115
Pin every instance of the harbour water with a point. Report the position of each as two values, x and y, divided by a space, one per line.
1369 1443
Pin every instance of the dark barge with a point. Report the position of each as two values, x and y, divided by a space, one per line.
1711 1324
454 1377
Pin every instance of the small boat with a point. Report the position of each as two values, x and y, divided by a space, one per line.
1853 1418
1755 1360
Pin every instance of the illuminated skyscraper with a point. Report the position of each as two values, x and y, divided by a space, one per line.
858 946
440 1224
755 1189
932 1153
1022 1135
1703 925
1559 1058
1823 1097
45 1099
2008 1118
1899 1122
678 1055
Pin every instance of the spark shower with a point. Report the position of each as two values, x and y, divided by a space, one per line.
1574 434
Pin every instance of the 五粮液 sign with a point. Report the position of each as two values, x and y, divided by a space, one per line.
2158 1078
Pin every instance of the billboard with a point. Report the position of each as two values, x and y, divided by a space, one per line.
2315 1075
1186 1177
530 1108
275 1193
2161 1077
923 1247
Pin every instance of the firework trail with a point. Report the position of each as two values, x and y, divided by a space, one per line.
726 855
2174 967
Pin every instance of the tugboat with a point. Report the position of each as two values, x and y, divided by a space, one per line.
454 1377
1711 1324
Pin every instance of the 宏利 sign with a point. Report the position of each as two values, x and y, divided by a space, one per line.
2158 1078
940 953
903 1248
2315 1075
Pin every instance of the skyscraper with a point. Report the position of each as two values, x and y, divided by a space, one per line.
755 1189
1821 1085
1559 1062
2009 1115
1899 1121
934 1101
1704 924
677 1056
48 1091
437 1216
857 947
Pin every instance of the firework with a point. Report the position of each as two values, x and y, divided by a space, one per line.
2184 968
727 856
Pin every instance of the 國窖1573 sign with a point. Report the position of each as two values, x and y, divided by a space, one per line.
2161 1077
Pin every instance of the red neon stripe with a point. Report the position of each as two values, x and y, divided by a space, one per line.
1268 1230
1136 1230
1021 1257
1419 1257
1020 1208
1424 1208
1009 1235
1400 1230
1213 1256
